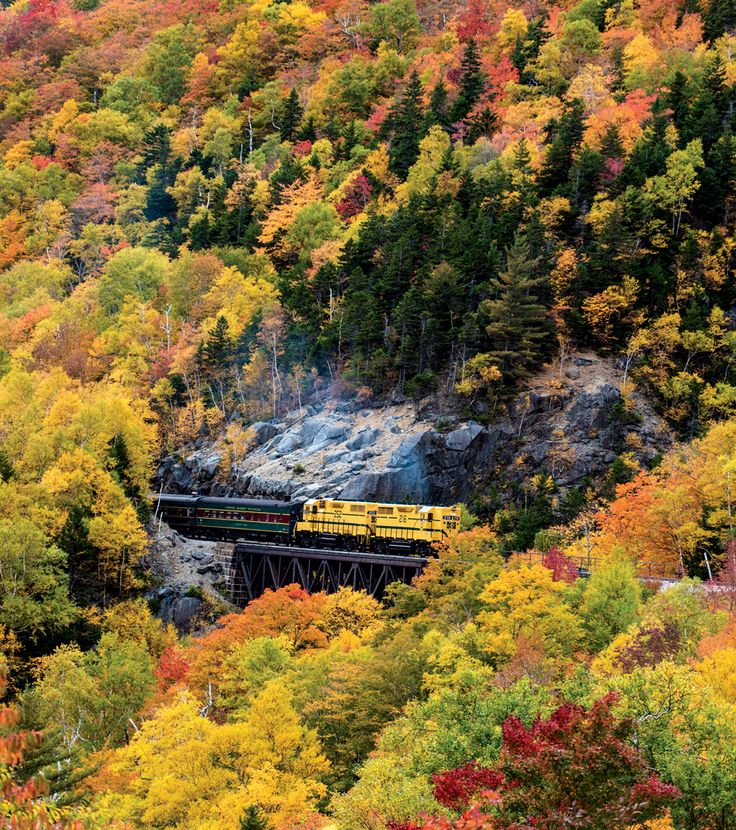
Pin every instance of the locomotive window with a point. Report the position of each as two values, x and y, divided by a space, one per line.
314 509
385 511
430 516
357 508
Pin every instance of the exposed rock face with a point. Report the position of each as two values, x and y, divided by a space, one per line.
566 424
182 565
179 610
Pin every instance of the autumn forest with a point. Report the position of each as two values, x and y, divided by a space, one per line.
215 211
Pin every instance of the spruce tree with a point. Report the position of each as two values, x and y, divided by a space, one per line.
567 137
439 111
515 319
472 83
291 116
156 152
253 819
482 124
308 130
217 350
216 356
719 18
406 121
6 468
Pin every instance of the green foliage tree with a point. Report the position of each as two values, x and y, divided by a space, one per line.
33 583
514 318
291 116
611 602
471 84
406 123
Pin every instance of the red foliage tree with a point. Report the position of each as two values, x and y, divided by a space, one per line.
577 768
651 644
563 569
456 788
357 196
172 667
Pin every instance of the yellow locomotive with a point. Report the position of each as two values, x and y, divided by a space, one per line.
371 526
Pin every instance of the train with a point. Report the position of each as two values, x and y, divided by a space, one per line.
333 524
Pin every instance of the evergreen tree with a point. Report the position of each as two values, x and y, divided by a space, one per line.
482 124
527 48
515 319
406 121
677 100
253 819
439 110
308 130
217 350
719 18
6 468
215 356
472 83
650 152
611 145
712 112
157 168
585 177
200 231
286 173
291 116
117 451
567 136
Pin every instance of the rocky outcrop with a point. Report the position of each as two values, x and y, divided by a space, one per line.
192 577
568 423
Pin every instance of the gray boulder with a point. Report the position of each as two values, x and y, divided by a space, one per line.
264 431
287 444
365 438
460 439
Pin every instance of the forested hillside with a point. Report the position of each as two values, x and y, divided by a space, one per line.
212 212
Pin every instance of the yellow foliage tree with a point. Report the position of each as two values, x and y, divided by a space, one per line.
527 602
181 771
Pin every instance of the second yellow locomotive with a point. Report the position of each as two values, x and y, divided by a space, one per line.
372 526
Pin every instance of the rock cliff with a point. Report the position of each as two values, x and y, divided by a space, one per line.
569 422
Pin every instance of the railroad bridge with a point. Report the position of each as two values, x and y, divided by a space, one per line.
252 567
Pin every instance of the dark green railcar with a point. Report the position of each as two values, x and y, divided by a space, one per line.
211 517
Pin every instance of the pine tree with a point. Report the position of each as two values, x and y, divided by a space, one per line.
439 111
253 819
156 152
515 319
720 18
406 121
482 124
216 351
472 82
568 135
291 116
6 468
678 101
